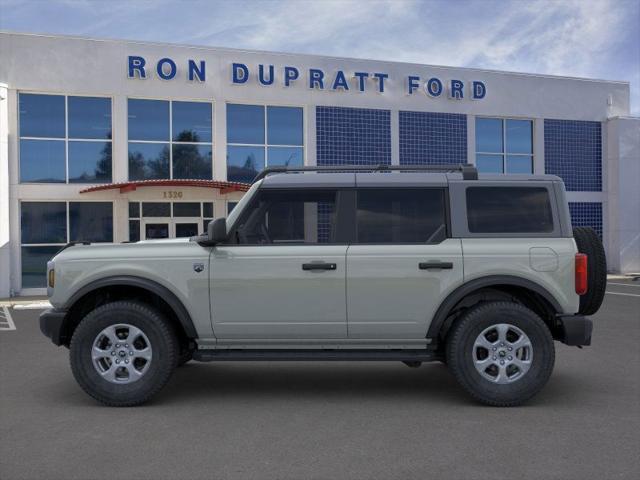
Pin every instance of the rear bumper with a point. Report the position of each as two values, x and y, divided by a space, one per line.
575 330
51 325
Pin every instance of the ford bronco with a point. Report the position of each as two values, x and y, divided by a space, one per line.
434 263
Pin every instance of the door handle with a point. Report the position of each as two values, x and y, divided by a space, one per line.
435 265
319 266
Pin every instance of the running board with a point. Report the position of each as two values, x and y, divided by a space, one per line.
315 355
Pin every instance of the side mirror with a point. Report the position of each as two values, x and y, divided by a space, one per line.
217 230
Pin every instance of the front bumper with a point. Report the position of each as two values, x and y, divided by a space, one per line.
575 330
52 325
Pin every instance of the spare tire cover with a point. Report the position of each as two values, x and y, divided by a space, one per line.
589 243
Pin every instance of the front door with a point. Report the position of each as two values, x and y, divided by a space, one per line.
402 263
282 275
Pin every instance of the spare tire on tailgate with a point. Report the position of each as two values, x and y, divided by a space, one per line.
589 243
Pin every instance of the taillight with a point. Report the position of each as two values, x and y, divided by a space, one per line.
581 273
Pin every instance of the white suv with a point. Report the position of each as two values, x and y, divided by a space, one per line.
364 263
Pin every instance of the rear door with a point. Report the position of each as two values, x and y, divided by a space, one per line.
402 262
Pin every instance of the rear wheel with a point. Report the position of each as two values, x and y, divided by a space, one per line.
123 353
502 353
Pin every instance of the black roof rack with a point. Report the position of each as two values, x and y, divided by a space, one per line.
469 172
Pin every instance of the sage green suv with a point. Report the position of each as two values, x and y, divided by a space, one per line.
365 263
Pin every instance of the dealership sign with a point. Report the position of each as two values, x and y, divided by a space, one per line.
313 78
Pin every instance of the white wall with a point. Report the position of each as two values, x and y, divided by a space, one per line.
623 164
5 250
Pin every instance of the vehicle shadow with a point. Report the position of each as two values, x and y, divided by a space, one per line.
309 380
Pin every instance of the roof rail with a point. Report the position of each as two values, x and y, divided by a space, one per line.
469 172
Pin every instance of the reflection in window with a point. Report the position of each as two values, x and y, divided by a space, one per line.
504 145
148 161
281 217
192 161
401 216
185 153
44 232
250 149
244 163
42 161
90 162
91 221
46 160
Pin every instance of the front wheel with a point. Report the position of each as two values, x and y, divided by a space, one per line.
502 353
123 353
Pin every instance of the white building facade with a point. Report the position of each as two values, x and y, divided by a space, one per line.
112 141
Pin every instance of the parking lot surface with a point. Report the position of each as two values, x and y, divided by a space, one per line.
327 420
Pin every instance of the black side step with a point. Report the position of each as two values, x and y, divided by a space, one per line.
315 355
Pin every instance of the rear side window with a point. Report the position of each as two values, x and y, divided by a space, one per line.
401 216
509 210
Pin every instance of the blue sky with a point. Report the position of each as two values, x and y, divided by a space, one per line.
583 38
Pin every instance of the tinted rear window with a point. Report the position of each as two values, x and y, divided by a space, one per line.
401 216
509 210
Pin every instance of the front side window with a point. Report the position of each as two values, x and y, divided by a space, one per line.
65 139
504 145
170 139
401 216
259 136
288 217
45 230
509 210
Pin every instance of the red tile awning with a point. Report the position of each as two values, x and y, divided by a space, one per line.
224 187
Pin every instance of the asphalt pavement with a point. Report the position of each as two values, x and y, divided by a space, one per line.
326 420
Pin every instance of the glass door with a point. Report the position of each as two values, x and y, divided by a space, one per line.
155 228
187 227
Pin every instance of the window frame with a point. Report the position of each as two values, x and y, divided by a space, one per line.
265 145
447 215
504 154
170 142
343 208
67 228
203 219
459 214
66 138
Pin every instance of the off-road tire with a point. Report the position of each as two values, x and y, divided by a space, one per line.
589 243
459 353
161 337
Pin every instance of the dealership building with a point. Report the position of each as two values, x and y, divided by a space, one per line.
114 141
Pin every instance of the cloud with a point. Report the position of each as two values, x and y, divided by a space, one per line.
588 38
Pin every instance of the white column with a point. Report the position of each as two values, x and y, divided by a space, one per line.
471 139
5 244
395 137
220 141
623 202
120 160
538 146
310 137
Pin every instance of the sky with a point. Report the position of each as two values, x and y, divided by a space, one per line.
580 38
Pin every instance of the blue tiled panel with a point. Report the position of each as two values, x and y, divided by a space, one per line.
573 151
353 136
587 214
432 138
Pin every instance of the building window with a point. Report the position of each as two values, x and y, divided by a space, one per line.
149 220
432 138
504 145
65 139
573 151
353 136
170 139
47 226
259 136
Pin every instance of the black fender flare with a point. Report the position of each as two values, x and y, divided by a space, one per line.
132 281
493 280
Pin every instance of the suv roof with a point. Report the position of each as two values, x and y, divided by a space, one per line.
384 176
